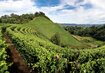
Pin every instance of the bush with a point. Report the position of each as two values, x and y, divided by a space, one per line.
56 39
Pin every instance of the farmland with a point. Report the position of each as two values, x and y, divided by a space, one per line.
45 47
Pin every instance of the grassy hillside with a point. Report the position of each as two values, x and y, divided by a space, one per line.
42 56
49 29
89 41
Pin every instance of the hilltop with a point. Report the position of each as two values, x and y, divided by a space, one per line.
50 29
45 28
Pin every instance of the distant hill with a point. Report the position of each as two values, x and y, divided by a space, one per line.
50 29
86 25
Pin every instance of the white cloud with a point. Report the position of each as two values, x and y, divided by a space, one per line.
98 3
19 7
78 15
95 15
51 9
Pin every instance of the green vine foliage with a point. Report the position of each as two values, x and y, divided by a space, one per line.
3 56
42 56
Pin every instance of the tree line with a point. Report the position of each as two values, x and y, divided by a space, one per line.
20 19
97 32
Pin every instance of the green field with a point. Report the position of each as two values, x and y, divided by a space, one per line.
47 48
89 41
48 29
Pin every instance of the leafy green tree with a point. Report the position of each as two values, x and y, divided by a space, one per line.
56 39
20 19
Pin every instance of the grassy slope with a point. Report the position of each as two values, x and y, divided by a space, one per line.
89 41
48 28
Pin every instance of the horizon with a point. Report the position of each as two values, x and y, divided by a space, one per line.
80 24
66 11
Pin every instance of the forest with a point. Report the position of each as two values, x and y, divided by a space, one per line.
96 32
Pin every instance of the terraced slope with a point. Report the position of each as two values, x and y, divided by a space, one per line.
42 56
34 48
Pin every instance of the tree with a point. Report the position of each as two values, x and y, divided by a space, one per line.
56 39
20 19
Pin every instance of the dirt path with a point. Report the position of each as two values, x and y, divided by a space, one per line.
19 65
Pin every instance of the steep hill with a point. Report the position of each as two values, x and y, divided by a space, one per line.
49 29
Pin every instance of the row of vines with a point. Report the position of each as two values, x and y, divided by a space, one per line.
3 55
42 56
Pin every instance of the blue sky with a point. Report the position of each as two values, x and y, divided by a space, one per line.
49 3
60 11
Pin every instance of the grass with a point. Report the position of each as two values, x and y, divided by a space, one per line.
48 29
89 41
45 29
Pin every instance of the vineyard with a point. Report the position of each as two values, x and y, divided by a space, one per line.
42 54
3 55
